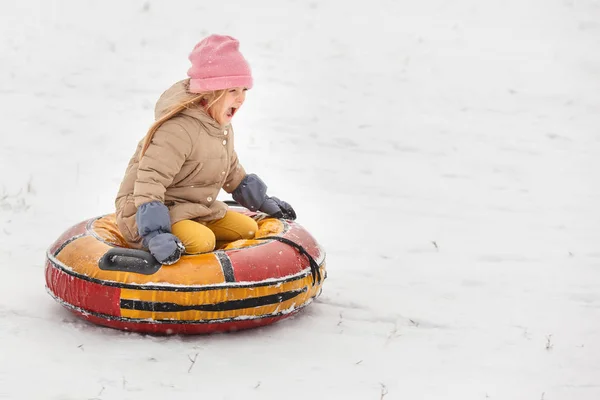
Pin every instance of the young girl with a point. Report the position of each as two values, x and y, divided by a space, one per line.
167 200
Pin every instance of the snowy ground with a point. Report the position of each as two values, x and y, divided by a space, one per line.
444 153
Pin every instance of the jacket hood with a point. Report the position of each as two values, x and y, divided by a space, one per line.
175 95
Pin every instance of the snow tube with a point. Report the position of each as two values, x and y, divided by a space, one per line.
246 284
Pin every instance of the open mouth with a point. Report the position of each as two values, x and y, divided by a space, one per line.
231 111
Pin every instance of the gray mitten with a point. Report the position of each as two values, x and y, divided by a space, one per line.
166 248
252 194
154 226
278 208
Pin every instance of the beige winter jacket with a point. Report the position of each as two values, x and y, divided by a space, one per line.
189 160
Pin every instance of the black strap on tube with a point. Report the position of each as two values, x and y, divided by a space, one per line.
314 267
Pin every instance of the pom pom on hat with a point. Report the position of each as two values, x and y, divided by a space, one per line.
218 64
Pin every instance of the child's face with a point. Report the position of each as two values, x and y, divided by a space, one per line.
229 104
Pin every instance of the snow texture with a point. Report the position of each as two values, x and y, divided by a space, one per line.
444 153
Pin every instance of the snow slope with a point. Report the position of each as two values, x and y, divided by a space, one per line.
445 154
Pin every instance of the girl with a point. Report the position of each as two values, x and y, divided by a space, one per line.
167 200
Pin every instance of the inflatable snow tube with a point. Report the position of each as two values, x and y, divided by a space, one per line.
246 284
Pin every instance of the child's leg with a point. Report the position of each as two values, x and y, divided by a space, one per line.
233 226
196 237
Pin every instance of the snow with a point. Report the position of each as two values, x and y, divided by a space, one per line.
445 155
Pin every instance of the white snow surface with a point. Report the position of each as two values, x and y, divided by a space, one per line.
444 153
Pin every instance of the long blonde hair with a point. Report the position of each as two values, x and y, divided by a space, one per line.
187 100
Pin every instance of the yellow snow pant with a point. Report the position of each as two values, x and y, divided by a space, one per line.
201 237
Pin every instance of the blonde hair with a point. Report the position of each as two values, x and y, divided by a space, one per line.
186 100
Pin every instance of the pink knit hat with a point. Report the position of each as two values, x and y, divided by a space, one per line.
218 64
